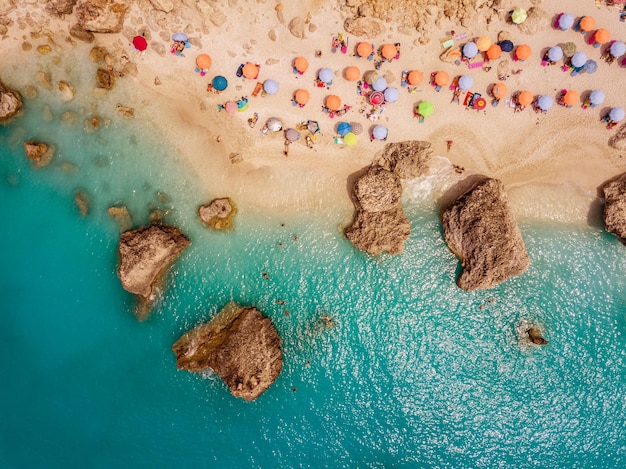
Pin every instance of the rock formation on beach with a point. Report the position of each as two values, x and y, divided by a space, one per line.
10 102
239 344
101 16
218 214
614 193
144 254
380 223
480 229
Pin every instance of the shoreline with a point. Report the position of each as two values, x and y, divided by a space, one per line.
548 149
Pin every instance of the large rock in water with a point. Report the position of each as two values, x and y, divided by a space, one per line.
10 102
145 253
240 345
614 193
101 16
378 190
481 230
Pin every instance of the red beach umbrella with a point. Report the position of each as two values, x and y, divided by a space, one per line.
140 43
377 97
480 103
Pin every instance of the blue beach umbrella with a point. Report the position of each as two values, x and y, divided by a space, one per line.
596 97
555 53
344 128
466 82
566 21
391 95
616 114
545 102
220 83
379 132
470 50
325 75
380 84
579 59
506 45
270 86
182 37
590 66
617 48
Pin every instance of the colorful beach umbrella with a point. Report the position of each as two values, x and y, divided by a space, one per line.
357 128
425 108
231 107
250 70
274 124
203 61
391 94
571 97
566 21
370 77
494 52
313 127
292 135
380 132
301 64
270 86
480 103
380 84
442 78
555 53
352 73
388 51
181 37
617 49
545 102
522 52
616 114
569 49
350 139
140 43
470 50
596 97
499 90
483 43
302 96
590 66
325 75
333 102
415 77
601 36
343 128
525 98
220 83
376 97
466 82
519 15
506 45
587 23
364 49
579 59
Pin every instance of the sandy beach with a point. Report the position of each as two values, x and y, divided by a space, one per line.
551 164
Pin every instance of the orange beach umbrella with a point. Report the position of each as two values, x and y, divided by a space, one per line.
499 90
250 70
352 73
388 51
301 64
364 49
203 61
483 43
415 77
302 96
442 78
494 52
525 98
333 102
571 98
587 23
601 36
522 52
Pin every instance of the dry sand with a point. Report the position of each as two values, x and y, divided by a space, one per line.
550 163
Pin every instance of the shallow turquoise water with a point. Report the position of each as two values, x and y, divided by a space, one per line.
417 373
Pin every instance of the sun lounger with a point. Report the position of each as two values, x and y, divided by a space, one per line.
473 65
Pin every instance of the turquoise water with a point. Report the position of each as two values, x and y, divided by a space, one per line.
416 373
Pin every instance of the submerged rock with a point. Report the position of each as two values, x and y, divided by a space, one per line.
218 214
122 216
60 7
10 102
240 345
530 334
79 33
67 90
105 78
375 232
83 201
614 193
124 111
480 229
144 254
39 153
101 16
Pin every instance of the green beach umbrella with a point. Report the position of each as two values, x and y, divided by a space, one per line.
519 15
425 108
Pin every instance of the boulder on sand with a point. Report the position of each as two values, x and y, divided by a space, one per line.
101 16
614 193
480 229
239 344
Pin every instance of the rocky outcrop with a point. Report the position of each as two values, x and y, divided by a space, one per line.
6 6
480 229
144 254
538 20
364 27
407 159
105 78
218 214
101 16
530 334
39 153
240 345
67 90
162 5
10 102
60 7
614 193
378 190
79 33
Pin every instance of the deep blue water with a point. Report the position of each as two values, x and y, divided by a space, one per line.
416 373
